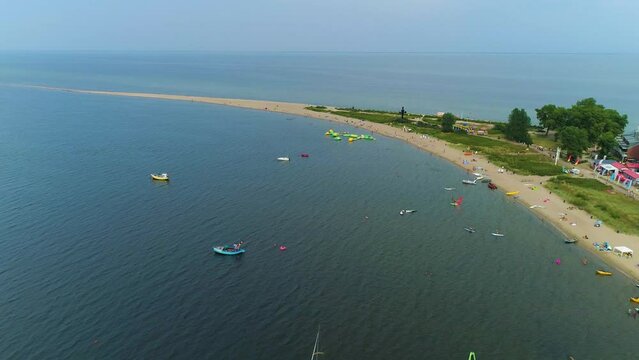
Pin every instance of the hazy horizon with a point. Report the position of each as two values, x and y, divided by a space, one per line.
461 26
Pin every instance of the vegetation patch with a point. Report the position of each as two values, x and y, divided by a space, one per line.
615 209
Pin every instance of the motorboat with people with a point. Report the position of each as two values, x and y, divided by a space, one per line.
402 212
470 229
160 177
235 249
283 158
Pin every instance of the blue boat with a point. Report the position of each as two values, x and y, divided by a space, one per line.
234 249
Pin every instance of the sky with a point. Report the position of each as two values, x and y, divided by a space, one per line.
555 26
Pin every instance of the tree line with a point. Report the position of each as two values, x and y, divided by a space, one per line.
584 125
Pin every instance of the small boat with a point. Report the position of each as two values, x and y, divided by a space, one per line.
160 177
470 229
486 180
337 138
492 186
470 182
635 300
511 193
570 241
229 250
603 273
449 188
472 356
458 201
283 158
283 248
498 234
478 175
304 155
402 212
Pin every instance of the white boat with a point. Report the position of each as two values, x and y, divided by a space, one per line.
449 188
316 353
497 234
283 158
470 229
402 212
478 175
470 182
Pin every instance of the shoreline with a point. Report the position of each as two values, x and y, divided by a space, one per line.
531 191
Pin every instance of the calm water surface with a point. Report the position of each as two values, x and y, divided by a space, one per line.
98 262
485 86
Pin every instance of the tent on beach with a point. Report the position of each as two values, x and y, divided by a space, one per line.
622 251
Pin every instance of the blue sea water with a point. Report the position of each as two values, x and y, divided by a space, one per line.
99 262
481 86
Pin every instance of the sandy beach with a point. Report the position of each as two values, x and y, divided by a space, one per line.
549 207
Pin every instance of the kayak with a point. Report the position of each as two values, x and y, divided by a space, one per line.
511 193
497 234
283 158
603 273
227 250
634 300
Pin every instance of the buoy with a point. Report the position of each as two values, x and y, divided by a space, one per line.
558 261
282 247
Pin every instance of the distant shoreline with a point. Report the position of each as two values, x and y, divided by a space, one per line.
551 204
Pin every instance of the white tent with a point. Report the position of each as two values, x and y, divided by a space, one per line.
622 250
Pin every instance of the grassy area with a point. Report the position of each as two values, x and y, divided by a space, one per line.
366 115
546 141
317 108
618 211
512 156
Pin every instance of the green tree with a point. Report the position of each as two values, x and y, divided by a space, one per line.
606 143
448 121
574 140
517 127
596 120
551 117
